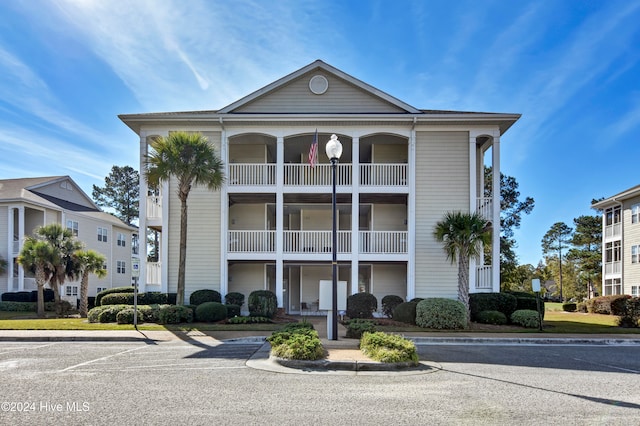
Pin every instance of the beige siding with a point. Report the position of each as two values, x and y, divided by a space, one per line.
316 220
310 284
245 278
341 96
631 238
248 153
389 217
247 217
389 153
442 184
203 236
65 190
389 279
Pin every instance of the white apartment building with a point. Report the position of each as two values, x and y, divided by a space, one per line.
270 227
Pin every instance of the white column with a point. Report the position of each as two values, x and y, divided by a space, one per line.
495 254
142 215
280 220
355 214
473 185
411 217
224 215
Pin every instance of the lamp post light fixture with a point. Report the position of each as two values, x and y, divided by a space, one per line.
334 151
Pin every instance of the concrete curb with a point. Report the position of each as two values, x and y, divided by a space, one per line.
523 340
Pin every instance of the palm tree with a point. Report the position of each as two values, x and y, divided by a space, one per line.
38 256
191 160
89 262
463 236
64 244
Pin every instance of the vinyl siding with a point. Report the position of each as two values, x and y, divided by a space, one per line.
442 184
247 217
69 192
389 279
340 97
389 217
245 278
631 238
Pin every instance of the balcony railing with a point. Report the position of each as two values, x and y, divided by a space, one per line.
613 268
320 175
252 241
252 174
614 230
484 207
316 241
483 277
154 207
383 242
383 174
154 273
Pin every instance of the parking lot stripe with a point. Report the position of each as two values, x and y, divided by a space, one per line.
99 359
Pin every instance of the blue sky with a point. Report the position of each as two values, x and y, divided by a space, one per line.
571 68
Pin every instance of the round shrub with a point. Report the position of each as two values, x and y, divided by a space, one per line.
175 314
234 298
302 343
405 312
417 299
502 302
357 327
233 311
441 314
263 303
125 316
569 307
383 347
103 293
389 303
109 314
361 305
526 318
492 317
152 298
211 312
199 297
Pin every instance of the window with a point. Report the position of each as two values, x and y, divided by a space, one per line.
72 226
72 290
612 287
635 213
612 215
120 266
635 252
612 252
135 245
635 290
122 240
99 289
102 234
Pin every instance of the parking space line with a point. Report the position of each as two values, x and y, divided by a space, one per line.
100 359
19 348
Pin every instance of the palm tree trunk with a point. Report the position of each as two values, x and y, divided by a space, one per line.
84 287
463 282
183 252
40 280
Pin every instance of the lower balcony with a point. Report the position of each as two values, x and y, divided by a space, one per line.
484 279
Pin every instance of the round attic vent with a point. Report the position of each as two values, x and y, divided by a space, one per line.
318 84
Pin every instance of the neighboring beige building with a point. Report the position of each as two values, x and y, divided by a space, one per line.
621 242
270 226
26 204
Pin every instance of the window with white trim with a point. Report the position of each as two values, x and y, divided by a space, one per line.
613 252
72 226
635 290
635 213
635 254
72 290
122 240
102 234
612 215
612 287
99 289
120 267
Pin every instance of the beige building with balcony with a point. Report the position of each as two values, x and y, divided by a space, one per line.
621 243
270 227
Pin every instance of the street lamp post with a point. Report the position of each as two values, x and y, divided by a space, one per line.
334 151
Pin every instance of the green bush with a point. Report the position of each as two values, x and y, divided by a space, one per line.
526 318
491 317
175 314
263 303
109 314
383 347
248 320
618 304
603 304
199 297
18 306
417 299
117 299
441 314
233 310
389 303
234 298
302 343
151 298
361 305
630 316
405 312
569 307
125 316
103 293
357 327
293 326
581 307
502 302
211 312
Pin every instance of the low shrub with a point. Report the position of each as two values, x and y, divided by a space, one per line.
618 304
383 347
199 297
526 318
233 310
125 316
405 312
174 314
361 305
263 303
569 307
417 299
103 293
18 306
211 312
492 317
603 304
441 314
389 303
17 296
502 302
248 320
234 298
171 298
293 326
630 316
581 307
357 327
150 298
110 313
302 343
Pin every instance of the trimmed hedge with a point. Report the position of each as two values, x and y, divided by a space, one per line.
603 304
211 312
492 317
233 311
526 317
502 302
630 317
300 343
26 296
248 320
383 347
441 314
389 303
174 314
406 312
234 298
263 303
361 305
103 293
199 297
151 298
569 307
357 327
